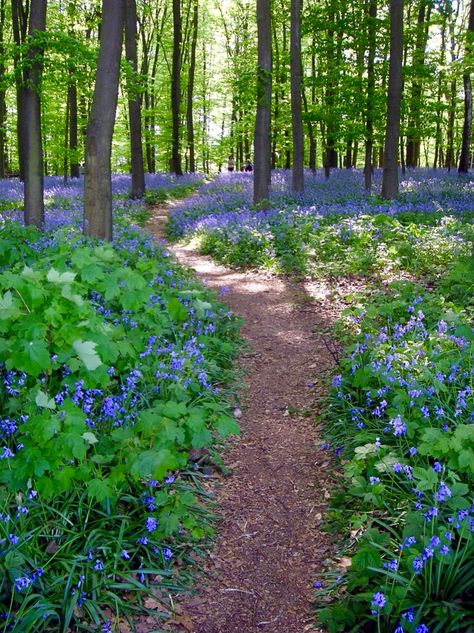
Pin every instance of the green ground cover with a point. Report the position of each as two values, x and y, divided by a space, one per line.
114 370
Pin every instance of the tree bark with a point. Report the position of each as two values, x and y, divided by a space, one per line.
3 104
33 158
297 176
175 163
20 31
97 181
134 107
394 96
190 89
464 159
262 149
369 124
414 132
73 130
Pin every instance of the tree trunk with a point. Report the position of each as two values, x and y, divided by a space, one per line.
413 133
73 127
134 107
3 104
176 89
97 181
394 96
464 159
297 177
191 74
33 158
262 149
20 31
369 121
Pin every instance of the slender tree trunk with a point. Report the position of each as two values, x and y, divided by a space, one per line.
97 181
297 176
66 144
276 98
262 149
34 204
134 107
369 121
413 134
73 130
20 31
3 104
439 108
394 96
330 159
312 140
464 158
190 89
176 89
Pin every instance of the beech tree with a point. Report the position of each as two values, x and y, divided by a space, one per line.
369 124
176 89
464 158
262 143
394 97
134 106
31 19
97 180
296 96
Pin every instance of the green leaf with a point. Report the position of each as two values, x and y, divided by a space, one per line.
99 489
44 402
176 310
86 352
226 425
55 277
8 309
31 357
154 463
90 438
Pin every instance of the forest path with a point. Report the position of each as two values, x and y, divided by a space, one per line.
270 546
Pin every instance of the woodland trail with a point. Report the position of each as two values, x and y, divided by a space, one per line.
270 546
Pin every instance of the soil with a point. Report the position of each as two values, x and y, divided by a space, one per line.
270 546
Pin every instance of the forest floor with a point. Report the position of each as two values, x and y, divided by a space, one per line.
270 544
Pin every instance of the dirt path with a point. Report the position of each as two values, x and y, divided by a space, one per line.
259 575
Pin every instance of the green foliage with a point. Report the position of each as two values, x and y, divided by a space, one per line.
108 383
400 417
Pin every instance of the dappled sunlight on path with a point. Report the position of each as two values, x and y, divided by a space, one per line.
270 546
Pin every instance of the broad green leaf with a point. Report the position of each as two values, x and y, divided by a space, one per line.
43 401
8 309
86 352
90 438
99 489
227 426
55 277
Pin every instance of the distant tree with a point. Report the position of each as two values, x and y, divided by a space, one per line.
134 102
369 120
31 19
176 89
296 96
394 97
3 103
262 138
464 158
97 181
418 72
190 88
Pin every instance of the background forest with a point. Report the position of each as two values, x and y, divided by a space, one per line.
345 53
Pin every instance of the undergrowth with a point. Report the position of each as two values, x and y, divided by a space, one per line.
114 366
